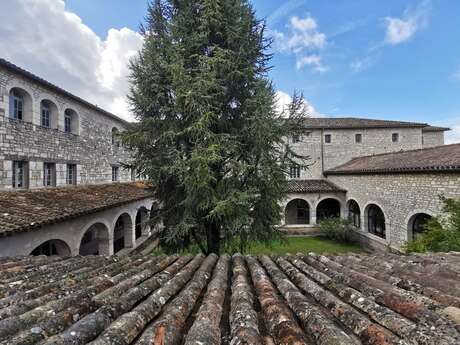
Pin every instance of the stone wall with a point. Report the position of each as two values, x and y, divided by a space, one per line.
400 196
90 147
324 156
432 139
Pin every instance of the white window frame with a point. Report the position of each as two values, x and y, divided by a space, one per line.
115 174
20 173
71 174
294 172
17 106
45 116
49 174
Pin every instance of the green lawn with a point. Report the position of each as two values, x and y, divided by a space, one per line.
294 245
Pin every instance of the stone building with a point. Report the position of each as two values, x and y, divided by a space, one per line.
63 188
59 156
385 176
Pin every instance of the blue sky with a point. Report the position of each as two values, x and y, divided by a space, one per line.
392 59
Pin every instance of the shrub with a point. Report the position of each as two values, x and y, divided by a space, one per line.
442 232
338 229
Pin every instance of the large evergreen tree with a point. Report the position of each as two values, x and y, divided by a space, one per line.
209 138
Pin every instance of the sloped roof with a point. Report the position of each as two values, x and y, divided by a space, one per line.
312 186
357 123
444 158
25 210
435 129
307 299
28 75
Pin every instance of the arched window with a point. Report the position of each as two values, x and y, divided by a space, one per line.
417 224
20 105
115 137
328 208
95 241
48 114
297 212
376 221
71 122
354 213
52 247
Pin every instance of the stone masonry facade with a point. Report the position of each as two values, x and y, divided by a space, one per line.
400 197
89 147
342 148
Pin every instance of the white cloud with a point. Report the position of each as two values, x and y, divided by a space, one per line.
452 136
399 30
284 99
363 64
456 75
44 38
304 40
311 60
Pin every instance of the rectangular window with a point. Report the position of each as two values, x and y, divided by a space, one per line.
294 171
67 123
358 138
114 174
16 107
295 138
20 174
328 138
395 137
71 177
45 117
49 174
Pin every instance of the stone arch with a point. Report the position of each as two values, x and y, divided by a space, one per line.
328 207
297 212
52 247
416 223
49 106
375 220
354 213
71 121
95 240
20 105
142 227
122 232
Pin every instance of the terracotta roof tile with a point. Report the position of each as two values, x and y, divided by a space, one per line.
312 186
28 209
354 122
303 299
444 158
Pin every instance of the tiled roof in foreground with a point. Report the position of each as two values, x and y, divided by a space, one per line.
30 209
312 186
444 158
303 299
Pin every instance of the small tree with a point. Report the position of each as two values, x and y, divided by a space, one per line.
208 137
442 233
